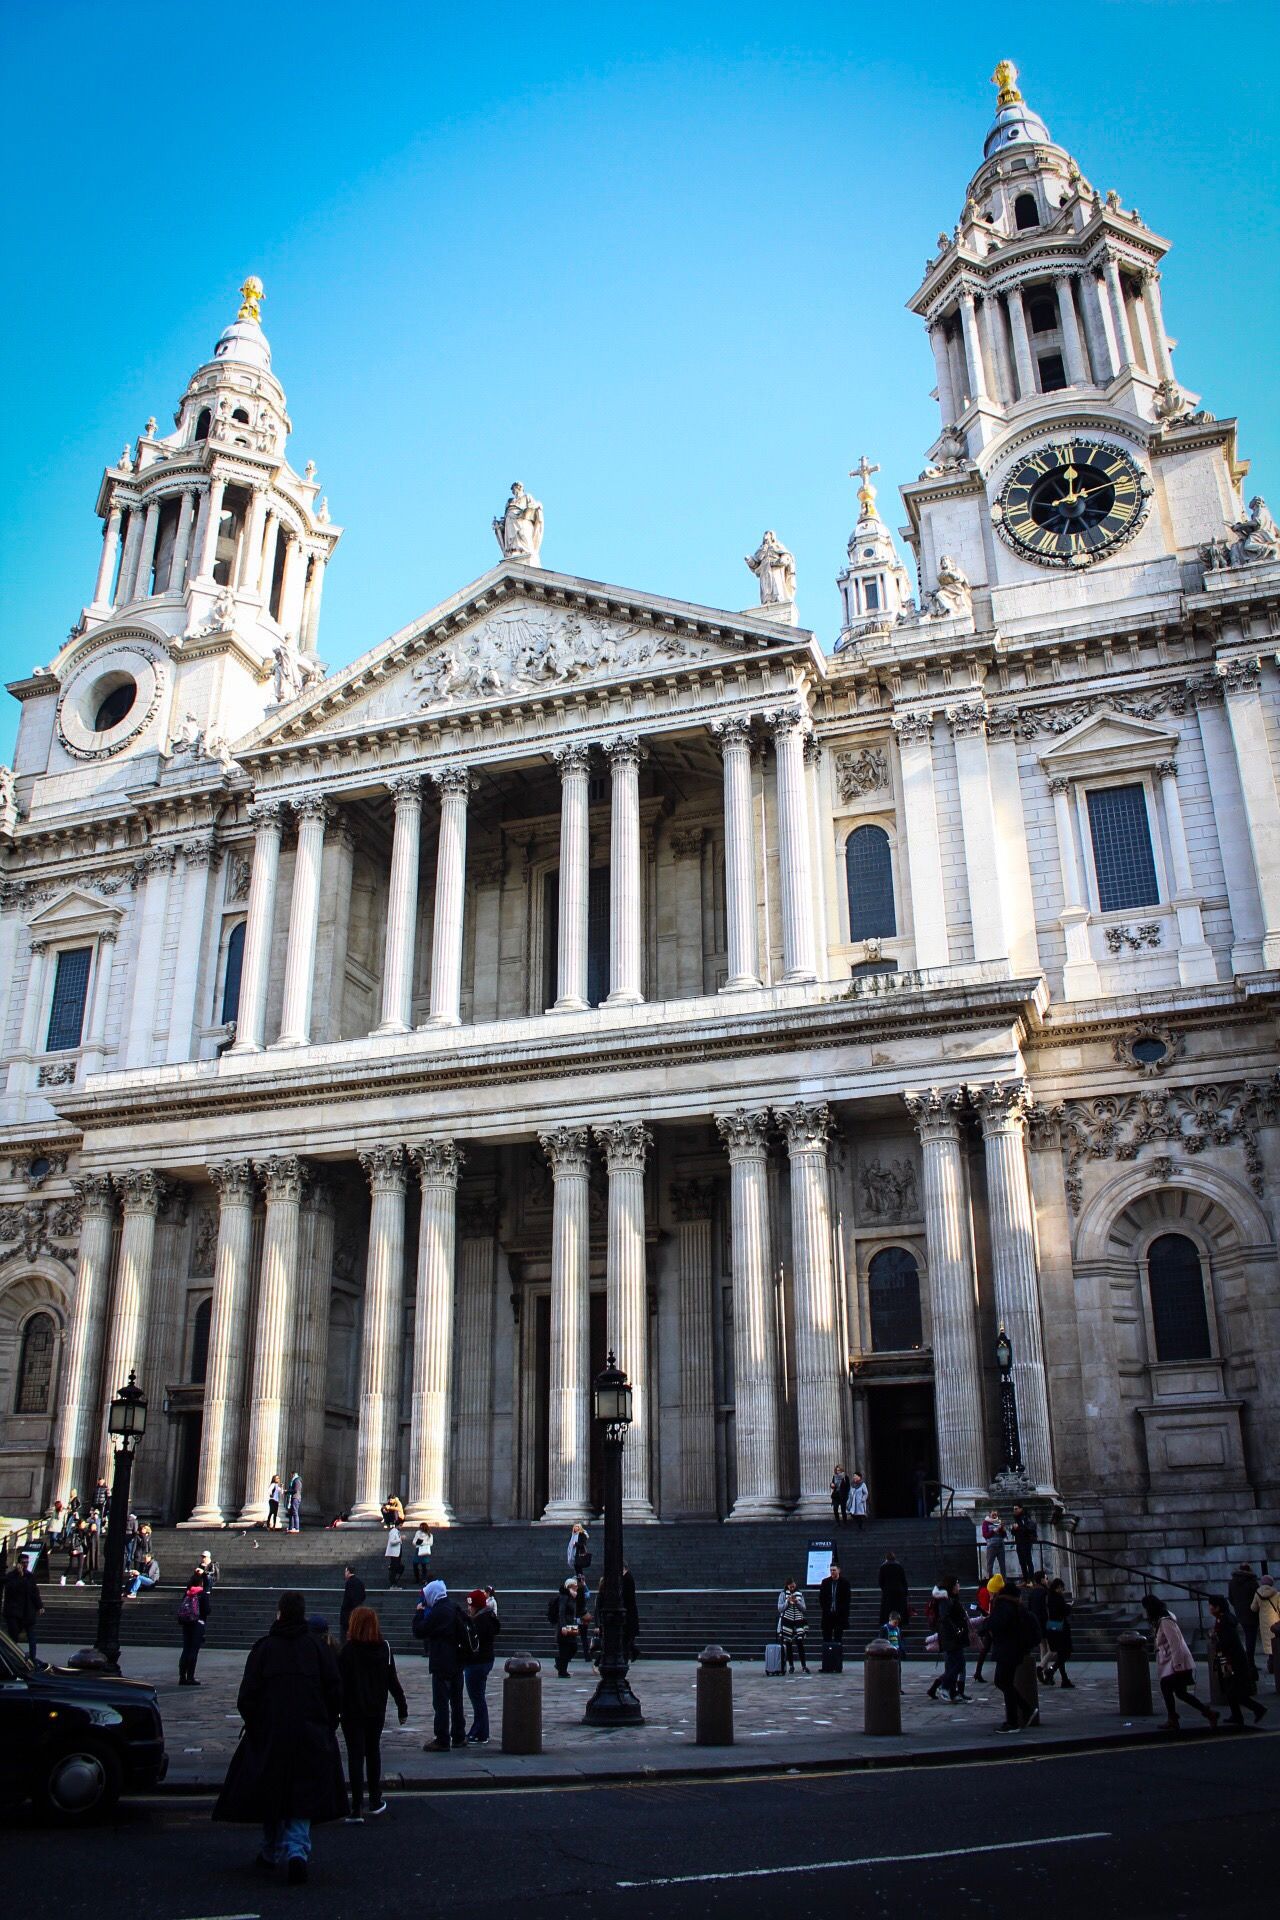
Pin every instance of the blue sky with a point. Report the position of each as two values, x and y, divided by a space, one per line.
652 262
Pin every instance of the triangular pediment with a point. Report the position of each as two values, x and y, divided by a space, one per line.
517 636
73 913
1111 738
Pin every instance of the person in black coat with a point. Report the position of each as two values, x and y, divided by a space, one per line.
193 1619
1025 1534
22 1606
368 1669
566 1626
953 1639
1236 1671
482 1628
437 1623
286 1771
1014 1634
353 1596
894 1592
833 1600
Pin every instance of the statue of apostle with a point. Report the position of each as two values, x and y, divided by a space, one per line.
519 531
775 569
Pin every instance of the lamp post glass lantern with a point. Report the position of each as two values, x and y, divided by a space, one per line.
126 1424
613 1704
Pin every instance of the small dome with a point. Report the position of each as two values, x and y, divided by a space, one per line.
245 342
1013 126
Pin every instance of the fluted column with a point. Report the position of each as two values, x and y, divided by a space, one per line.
942 363
251 1020
972 346
821 1365
454 784
378 1439
742 933
284 1178
292 581
212 522
311 1359
471 1468
402 907
692 1202
82 1397
795 861
1073 353
267 559
182 542
141 1194
132 538
146 552
1119 312
220 1491
251 541
1155 325
568 1149
1016 1281
107 564
311 609
575 873
626 1146
755 1326
624 755
1024 364
304 920
439 1163
953 1295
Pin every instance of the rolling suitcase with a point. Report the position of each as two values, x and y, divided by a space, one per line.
773 1657
833 1656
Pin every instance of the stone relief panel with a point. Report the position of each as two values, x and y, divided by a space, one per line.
886 1187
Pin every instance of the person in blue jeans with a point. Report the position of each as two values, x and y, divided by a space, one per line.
481 1632
147 1575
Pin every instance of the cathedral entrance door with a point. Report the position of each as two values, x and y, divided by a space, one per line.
902 1447
186 1468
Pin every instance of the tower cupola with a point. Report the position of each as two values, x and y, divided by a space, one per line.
875 588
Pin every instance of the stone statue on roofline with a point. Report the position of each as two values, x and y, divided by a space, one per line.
519 531
775 569
953 596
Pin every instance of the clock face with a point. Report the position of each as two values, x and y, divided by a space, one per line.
1069 503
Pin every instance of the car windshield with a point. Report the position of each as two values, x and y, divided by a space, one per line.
14 1664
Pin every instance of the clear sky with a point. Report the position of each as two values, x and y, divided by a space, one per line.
650 261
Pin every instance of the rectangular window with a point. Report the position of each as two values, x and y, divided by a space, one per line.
872 591
1122 855
1053 375
70 990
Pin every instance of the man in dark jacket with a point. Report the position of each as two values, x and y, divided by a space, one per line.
23 1606
1014 1634
953 1639
353 1596
1025 1534
287 1771
1035 1598
1241 1588
438 1624
833 1598
894 1592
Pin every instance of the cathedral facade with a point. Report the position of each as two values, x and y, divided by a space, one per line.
875 1045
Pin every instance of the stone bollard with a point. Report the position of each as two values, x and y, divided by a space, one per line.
715 1699
1133 1673
882 1690
522 1705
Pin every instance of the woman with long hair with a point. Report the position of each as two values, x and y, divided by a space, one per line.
368 1669
1175 1664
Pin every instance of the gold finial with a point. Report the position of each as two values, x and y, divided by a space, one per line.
1006 78
251 298
866 492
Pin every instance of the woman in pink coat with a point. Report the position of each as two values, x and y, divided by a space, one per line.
1174 1663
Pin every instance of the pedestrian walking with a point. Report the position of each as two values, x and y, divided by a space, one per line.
994 1535
393 1554
1241 1588
1175 1665
286 1771
792 1627
982 1628
841 1487
1057 1631
193 1613
275 1494
834 1597
1014 1634
1025 1534
1035 1598
367 1668
953 1638
563 1615
423 1542
579 1555
894 1591
1266 1609
481 1628
295 1503
1236 1673
22 1606
437 1624
859 1498
353 1596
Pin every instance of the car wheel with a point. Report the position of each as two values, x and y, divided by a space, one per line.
80 1783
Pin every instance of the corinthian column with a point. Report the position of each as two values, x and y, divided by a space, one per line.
251 1020
284 1176
304 920
626 1145
141 1195
755 1328
377 1443
1013 1261
575 872
106 568
953 1295
451 870
81 1401
218 1488
471 1467
624 755
402 907
795 866
734 739
439 1163
691 1202
820 1363
568 1149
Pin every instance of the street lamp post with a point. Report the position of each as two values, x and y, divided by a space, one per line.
1010 1440
613 1704
126 1424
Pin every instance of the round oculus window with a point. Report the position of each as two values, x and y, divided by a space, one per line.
108 700
115 695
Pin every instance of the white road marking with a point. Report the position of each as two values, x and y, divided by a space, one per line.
868 1860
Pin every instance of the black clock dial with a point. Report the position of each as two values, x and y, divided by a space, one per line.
1069 503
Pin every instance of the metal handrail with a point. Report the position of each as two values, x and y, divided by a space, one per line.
1145 1575
946 1511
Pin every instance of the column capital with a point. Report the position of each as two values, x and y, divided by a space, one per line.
160 859
406 789
784 720
96 1193
202 852
573 758
734 732
568 1149
1166 770
451 779
967 719
624 749
142 1190
283 1175
807 1128
1044 1125
385 1166
266 813
625 1144
39 945
1060 783
108 936
313 806
1002 1105
692 1200
438 1162
1242 675
913 726
746 1135
233 1179
936 1111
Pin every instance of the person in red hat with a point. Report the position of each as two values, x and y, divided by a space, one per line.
481 1628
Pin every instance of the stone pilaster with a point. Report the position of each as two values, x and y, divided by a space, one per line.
734 740
304 920
402 907
251 1020
377 1442
81 1400
625 1146
568 1149
795 863
142 1193
821 1365
439 1162
755 1328
284 1177
575 867
219 1492
451 872
624 755
692 1202
198 855
470 1478
924 848
156 865
1242 686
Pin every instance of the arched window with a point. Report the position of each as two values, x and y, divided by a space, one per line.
1178 1312
200 1341
1025 212
202 425
869 873
231 978
893 1290
35 1365
241 416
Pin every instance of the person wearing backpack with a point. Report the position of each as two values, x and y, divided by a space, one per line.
368 1669
193 1612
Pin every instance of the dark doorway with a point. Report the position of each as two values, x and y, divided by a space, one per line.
186 1477
901 1441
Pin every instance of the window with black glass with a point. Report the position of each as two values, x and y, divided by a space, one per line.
1025 212
35 1364
1179 1315
1053 374
893 1294
70 991
231 977
200 1341
1123 859
868 865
